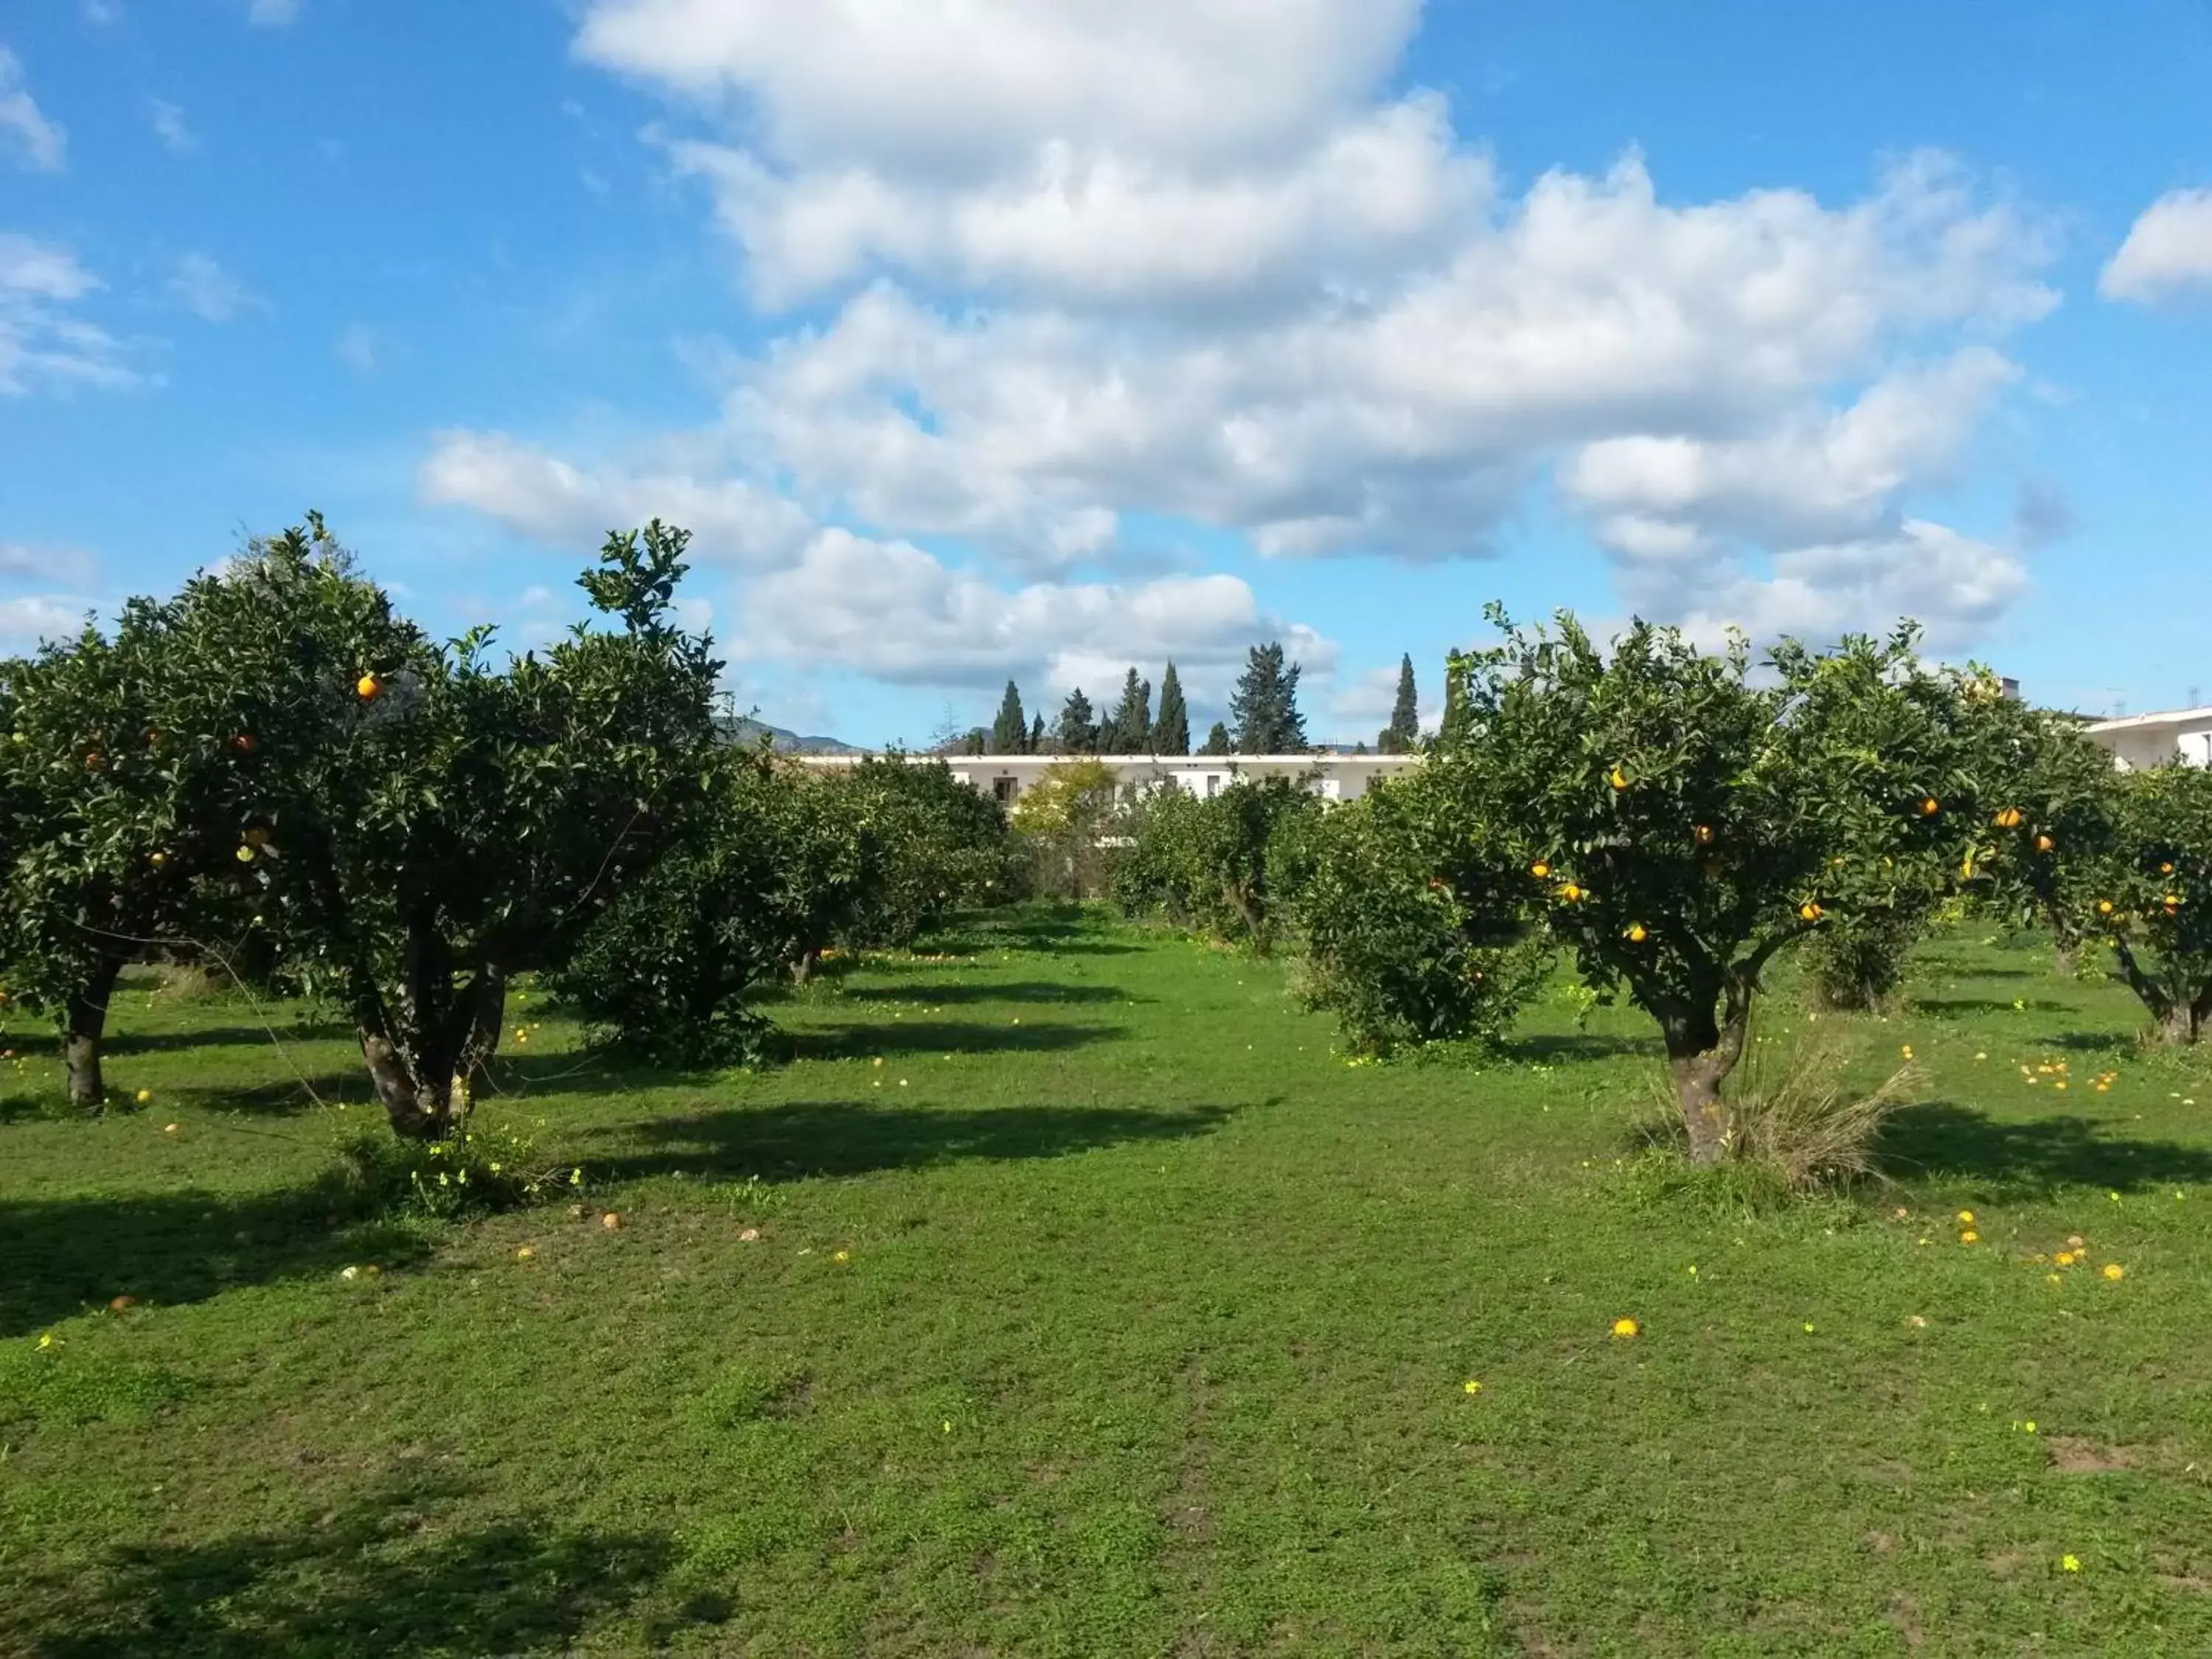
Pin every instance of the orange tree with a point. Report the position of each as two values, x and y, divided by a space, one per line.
1678 821
2053 827
2153 895
435 822
113 821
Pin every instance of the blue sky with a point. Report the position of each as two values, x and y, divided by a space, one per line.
1038 338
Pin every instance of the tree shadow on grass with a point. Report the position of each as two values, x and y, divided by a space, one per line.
929 1036
124 1043
1958 1007
842 1137
59 1255
1557 1046
1033 990
2033 1158
382 1576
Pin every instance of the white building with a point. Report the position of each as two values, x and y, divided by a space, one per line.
2138 741
1333 777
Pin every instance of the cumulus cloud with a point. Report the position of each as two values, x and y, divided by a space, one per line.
28 620
42 340
1084 260
26 133
2167 254
548 499
890 610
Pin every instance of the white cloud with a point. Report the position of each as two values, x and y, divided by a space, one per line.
168 120
2168 251
20 561
28 620
42 340
548 499
890 610
1199 259
38 143
272 14
204 287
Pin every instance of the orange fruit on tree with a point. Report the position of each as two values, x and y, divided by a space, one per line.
1929 806
2044 843
2104 907
1620 779
1637 932
2165 869
1539 869
1810 909
158 860
368 688
245 743
1705 833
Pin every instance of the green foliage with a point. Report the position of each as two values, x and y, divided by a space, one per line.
1077 731
1857 962
478 1170
2053 826
1679 822
436 823
1129 729
1172 729
57 1387
758 882
1399 953
1009 730
1061 819
2154 894
1217 741
1403 734
1264 705
937 845
1206 862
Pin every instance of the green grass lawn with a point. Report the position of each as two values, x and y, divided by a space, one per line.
1069 1294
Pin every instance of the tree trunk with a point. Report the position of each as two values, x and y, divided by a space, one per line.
487 1004
1701 1051
420 1107
87 1022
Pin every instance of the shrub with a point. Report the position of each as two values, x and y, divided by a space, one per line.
938 845
1220 863
1400 954
1062 821
467 1171
1794 1117
1856 963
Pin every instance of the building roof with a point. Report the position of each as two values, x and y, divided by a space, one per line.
2137 722
1323 759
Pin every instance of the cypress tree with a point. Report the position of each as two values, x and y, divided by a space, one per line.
1036 734
1216 741
1078 731
1129 728
1264 705
1010 732
1171 731
1404 730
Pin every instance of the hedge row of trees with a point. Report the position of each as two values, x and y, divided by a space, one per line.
274 775
1264 706
1676 820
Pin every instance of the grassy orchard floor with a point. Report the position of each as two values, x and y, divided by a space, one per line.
1153 1338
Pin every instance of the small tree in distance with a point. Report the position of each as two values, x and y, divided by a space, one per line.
2154 896
1077 731
1264 705
1129 727
1404 731
1680 824
1216 741
1171 730
1010 732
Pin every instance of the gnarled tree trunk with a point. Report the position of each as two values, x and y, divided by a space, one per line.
84 1025
1702 1050
2181 1016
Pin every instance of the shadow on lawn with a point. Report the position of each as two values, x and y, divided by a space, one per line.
59 1255
933 1037
126 1042
1580 1045
1958 1007
2031 1158
1033 990
381 1576
841 1138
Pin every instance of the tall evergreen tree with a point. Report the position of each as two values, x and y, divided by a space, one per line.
1010 733
1129 728
1216 741
1079 731
1037 735
1264 705
1404 730
1171 731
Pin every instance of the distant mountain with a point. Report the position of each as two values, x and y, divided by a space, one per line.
747 730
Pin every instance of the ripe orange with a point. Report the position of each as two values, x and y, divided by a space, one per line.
1705 835
2044 843
368 688
1569 892
2104 907
1637 932
1810 909
2165 869
1930 807
158 860
92 761
1620 779
1539 869
245 743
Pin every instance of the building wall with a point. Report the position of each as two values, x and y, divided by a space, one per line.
2141 741
1333 777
